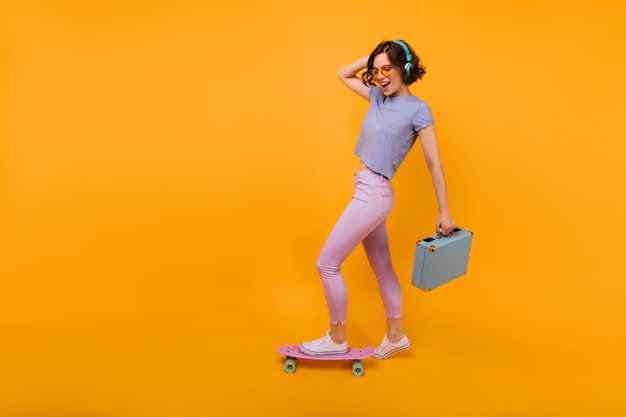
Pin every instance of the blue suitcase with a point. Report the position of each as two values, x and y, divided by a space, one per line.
440 259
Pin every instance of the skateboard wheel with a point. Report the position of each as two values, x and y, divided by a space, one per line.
357 368
290 365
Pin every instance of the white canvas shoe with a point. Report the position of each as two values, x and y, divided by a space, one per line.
386 348
323 346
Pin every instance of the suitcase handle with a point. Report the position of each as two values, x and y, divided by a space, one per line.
439 235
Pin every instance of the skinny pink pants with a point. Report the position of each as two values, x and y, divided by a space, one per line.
362 221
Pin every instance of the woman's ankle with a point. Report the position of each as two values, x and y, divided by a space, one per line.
337 333
395 330
395 337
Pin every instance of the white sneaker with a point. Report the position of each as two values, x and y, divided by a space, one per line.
323 346
386 348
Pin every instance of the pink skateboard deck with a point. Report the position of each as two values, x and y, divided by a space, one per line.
292 353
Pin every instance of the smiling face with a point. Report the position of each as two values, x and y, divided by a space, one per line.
389 77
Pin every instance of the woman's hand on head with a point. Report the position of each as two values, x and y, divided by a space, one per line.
348 76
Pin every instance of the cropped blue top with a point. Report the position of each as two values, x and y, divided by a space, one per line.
389 130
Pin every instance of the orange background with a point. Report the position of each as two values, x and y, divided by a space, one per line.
170 169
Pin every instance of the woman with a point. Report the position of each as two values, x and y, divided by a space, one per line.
394 120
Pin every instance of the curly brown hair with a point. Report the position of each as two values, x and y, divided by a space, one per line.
397 57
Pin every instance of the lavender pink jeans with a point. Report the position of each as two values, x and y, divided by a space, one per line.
362 221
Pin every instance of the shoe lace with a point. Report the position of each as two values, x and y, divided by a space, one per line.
383 345
322 341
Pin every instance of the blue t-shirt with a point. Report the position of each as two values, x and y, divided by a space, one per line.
389 130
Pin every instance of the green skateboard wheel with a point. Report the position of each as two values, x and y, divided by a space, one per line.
290 365
357 368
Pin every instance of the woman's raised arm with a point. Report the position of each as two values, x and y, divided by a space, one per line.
348 76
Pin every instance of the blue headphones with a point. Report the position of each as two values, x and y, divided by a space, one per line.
409 57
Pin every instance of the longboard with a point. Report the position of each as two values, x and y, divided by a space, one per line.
292 353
